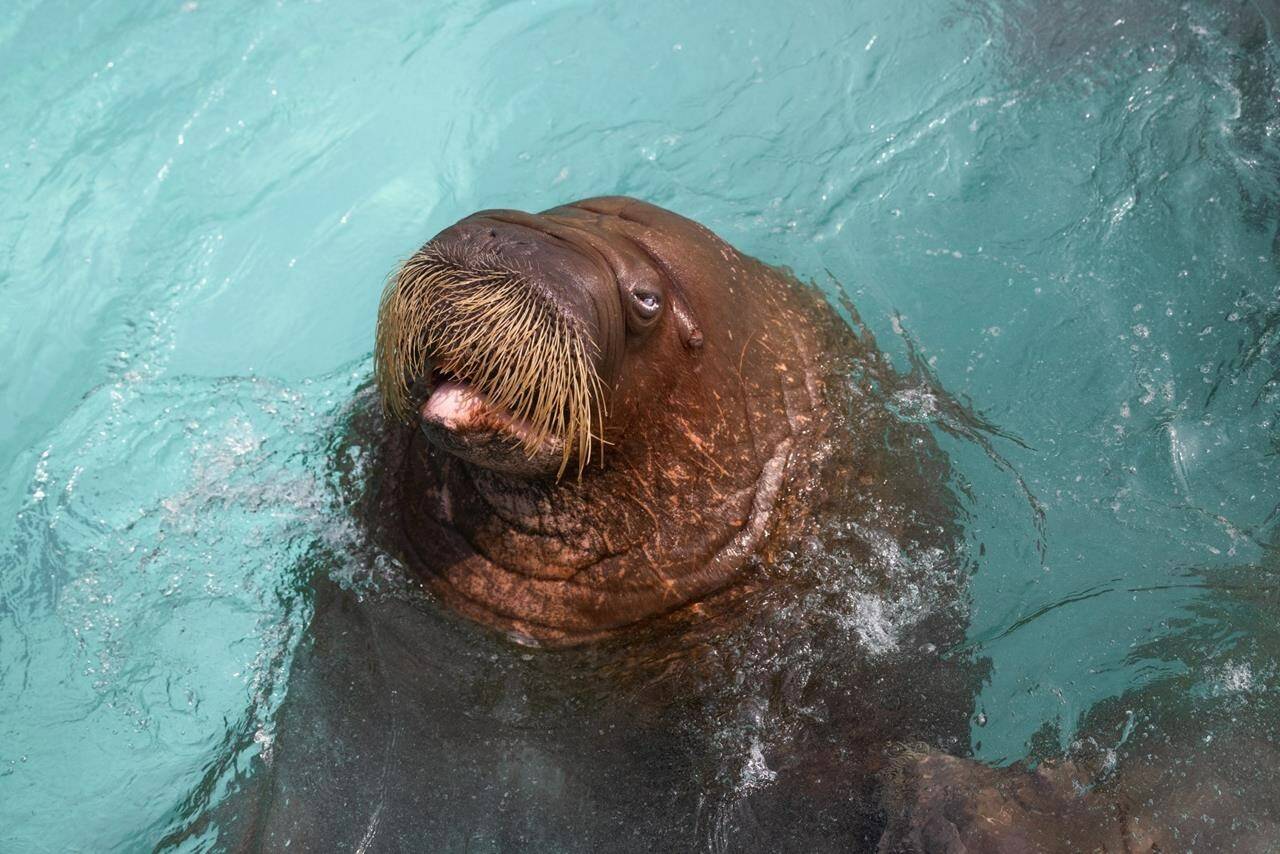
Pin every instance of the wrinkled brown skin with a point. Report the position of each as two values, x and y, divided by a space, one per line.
703 437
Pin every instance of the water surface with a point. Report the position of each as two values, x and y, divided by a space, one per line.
1070 208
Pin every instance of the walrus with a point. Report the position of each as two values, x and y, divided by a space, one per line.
654 563
615 413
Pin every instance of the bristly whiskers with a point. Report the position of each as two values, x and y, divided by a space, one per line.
483 323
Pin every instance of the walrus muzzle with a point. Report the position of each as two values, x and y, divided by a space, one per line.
498 335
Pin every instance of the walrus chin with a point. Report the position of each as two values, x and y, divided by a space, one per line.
511 372
459 418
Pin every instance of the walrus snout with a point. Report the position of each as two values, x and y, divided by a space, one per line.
514 330
564 272
537 314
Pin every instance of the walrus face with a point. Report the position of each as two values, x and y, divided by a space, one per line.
507 333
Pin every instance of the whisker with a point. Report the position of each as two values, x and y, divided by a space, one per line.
481 323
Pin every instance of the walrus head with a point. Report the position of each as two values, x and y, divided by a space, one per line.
606 399
511 334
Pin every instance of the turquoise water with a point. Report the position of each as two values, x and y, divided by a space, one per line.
1070 208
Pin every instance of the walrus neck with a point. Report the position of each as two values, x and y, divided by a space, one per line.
536 527
638 517
562 562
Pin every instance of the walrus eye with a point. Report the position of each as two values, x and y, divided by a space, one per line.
646 305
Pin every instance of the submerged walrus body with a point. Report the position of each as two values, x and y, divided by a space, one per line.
669 574
652 565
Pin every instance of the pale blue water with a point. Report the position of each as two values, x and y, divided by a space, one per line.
1073 207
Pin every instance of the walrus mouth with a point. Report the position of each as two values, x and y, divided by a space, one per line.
495 353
